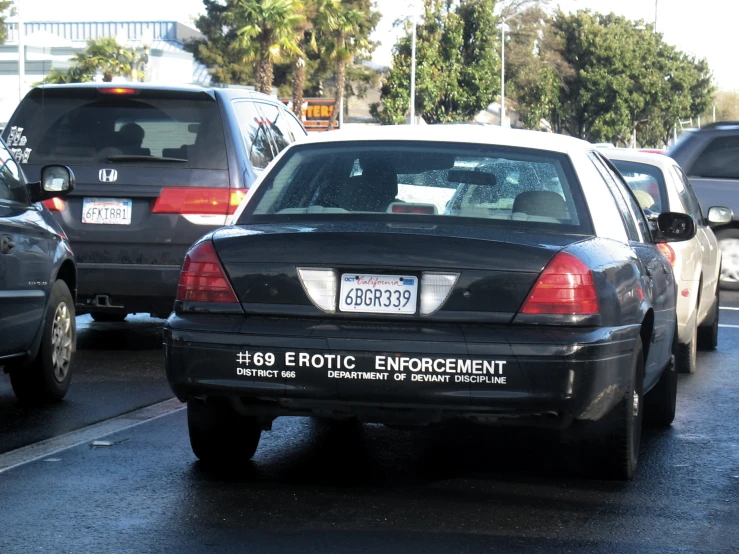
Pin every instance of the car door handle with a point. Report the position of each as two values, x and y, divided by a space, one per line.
7 244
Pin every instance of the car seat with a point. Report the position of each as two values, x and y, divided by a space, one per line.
541 203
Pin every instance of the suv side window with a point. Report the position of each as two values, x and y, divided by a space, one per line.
255 133
276 119
12 186
630 224
295 126
720 159
687 195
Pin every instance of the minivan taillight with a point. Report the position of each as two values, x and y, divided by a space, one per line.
202 278
565 287
198 201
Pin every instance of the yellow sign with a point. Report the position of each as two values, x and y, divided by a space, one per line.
316 112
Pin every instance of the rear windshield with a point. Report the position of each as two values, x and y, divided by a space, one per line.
647 182
85 127
434 181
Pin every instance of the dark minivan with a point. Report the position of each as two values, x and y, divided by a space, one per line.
157 167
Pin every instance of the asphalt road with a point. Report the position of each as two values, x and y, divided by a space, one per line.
317 487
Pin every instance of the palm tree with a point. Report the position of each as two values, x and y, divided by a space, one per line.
102 55
266 31
343 25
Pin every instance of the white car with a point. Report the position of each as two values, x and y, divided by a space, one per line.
660 185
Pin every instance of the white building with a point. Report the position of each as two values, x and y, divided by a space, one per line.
50 45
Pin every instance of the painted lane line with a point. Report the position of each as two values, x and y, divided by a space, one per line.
728 308
54 445
728 326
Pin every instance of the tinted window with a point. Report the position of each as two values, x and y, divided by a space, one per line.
85 127
277 121
255 134
646 182
687 195
719 160
295 126
11 184
497 185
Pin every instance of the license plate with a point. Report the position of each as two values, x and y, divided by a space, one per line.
106 211
379 294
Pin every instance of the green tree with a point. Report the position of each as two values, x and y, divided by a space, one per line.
457 64
604 77
226 61
266 33
4 12
104 56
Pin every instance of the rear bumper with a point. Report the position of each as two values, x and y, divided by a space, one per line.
129 288
391 372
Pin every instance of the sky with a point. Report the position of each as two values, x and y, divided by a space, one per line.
701 28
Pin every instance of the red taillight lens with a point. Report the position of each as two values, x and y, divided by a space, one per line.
202 278
117 90
565 287
198 201
55 204
667 250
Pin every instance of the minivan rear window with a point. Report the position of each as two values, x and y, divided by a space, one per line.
87 127
438 182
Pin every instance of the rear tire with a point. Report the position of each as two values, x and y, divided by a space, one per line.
708 332
614 449
219 435
660 402
686 355
47 377
106 317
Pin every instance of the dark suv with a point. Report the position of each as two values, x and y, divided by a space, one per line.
157 167
710 157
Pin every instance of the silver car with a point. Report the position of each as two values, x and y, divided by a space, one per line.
660 185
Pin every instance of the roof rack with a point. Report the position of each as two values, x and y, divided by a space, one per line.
719 124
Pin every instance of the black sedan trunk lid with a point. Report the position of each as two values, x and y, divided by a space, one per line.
496 267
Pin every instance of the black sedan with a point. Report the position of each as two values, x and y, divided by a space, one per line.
38 280
415 276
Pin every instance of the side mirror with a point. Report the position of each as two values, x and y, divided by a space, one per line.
674 227
56 181
718 215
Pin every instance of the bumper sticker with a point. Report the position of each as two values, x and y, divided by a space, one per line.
281 365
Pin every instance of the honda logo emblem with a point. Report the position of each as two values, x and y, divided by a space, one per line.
108 175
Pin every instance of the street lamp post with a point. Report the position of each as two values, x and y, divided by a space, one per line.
502 73
21 51
656 4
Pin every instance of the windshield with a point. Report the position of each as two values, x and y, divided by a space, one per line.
83 127
436 182
647 182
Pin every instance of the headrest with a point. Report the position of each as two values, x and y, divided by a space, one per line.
541 203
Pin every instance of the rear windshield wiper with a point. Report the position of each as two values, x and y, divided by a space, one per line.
135 158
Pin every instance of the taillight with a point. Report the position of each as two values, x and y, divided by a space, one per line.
55 204
117 90
202 278
198 201
565 287
411 209
667 250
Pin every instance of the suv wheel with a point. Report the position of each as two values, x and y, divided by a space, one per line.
47 378
219 435
728 240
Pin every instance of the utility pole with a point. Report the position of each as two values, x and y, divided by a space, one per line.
656 10
21 51
502 73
